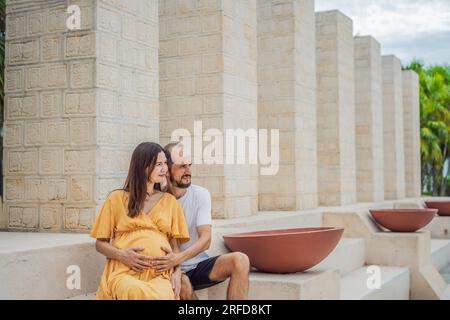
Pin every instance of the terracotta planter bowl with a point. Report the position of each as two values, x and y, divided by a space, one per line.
442 206
285 251
403 220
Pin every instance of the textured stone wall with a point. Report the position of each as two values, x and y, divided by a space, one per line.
287 101
208 59
128 86
411 118
369 120
335 109
77 102
394 156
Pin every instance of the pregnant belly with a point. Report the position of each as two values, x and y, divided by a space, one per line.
150 240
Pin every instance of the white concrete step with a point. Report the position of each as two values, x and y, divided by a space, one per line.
264 286
274 220
440 253
312 285
348 256
440 256
394 285
446 294
445 273
37 265
439 227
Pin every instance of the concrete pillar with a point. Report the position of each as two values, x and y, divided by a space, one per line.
411 118
287 101
369 120
208 67
77 103
394 158
335 109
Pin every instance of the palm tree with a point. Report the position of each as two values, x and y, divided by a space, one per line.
434 126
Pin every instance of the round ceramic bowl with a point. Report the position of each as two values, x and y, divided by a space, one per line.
285 251
442 206
403 220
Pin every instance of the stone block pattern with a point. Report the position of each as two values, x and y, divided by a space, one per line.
74 109
208 74
78 101
128 86
287 101
369 120
335 109
394 156
411 118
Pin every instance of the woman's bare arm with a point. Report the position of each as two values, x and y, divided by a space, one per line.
176 275
105 248
175 246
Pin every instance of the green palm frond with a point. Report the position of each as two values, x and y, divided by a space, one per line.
434 86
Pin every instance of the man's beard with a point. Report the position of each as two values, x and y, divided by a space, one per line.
180 184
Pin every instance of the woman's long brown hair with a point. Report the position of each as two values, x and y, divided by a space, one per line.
143 157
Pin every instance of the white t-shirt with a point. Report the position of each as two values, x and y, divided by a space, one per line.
196 204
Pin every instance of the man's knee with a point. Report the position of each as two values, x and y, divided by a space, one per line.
240 262
185 282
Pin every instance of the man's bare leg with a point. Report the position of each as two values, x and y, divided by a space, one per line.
235 266
187 292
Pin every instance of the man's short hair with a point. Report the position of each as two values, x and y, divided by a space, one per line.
168 147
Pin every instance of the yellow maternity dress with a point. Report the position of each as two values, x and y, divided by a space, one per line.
151 230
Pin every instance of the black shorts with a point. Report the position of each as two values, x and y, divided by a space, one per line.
199 276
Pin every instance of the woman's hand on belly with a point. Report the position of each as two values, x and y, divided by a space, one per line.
133 260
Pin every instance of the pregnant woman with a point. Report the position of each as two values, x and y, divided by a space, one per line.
135 224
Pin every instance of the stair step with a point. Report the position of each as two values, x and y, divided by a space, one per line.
440 253
12 242
394 285
348 256
273 286
36 265
274 220
439 227
312 285
446 294
445 273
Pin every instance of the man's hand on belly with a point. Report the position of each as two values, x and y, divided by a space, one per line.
167 262
133 260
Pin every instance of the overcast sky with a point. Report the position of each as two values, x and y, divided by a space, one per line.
407 28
